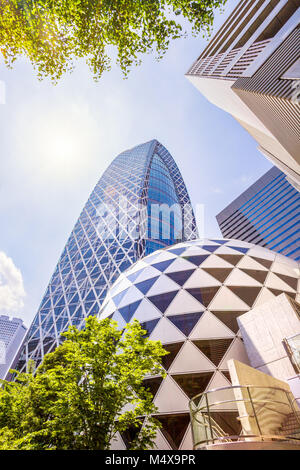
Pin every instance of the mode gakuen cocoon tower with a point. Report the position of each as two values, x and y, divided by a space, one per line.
139 205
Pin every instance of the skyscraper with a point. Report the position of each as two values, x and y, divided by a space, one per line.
251 70
12 332
267 214
140 204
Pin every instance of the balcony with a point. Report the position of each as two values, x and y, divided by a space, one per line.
245 417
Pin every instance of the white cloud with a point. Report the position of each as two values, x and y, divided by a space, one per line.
11 286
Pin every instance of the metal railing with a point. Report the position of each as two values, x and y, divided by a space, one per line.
244 413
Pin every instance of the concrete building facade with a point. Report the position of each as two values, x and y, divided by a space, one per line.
251 70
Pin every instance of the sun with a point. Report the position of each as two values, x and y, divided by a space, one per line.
58 144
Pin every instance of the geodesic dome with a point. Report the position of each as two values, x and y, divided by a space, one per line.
189 296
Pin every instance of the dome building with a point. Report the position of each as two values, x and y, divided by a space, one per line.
189 296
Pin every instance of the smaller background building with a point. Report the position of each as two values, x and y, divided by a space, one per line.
12 332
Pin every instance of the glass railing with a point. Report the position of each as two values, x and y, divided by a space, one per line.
244 413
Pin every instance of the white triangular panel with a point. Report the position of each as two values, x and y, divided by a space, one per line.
194 251
286 261
146 311
249 263
219 381
184 303
210 327
162 285
236 351
265 295
239 243
170 398
164 256
227 300
119 319
160 442
132 295
239 278
259 252
213 261
274 282
187 441
147 273
226 250
191 359
117 443
166 332
137 266
201 278
120 287
179 264
109 309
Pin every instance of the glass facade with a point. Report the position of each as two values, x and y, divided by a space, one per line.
114 230
266 214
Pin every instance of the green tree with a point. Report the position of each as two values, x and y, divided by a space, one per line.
84 392
52 34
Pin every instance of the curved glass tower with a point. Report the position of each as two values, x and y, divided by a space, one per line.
139 205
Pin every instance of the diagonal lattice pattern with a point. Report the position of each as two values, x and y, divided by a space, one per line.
111 234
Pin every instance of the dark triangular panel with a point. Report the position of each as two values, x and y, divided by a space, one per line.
218 273
228 422
181 276
174 427
264 262
221 242
246 293
197 259
162 301
239 248
131 433
173 349
128 311
214 349
149 326
177 251
290 281
232 259
193 384
153 384
204 294
186 322
210 248
229 319
163 265
259 276
146 285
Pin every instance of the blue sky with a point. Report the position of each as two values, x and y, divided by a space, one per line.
56 141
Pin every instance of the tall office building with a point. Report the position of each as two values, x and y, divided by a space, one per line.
266 214
120 223
12 332
251 69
